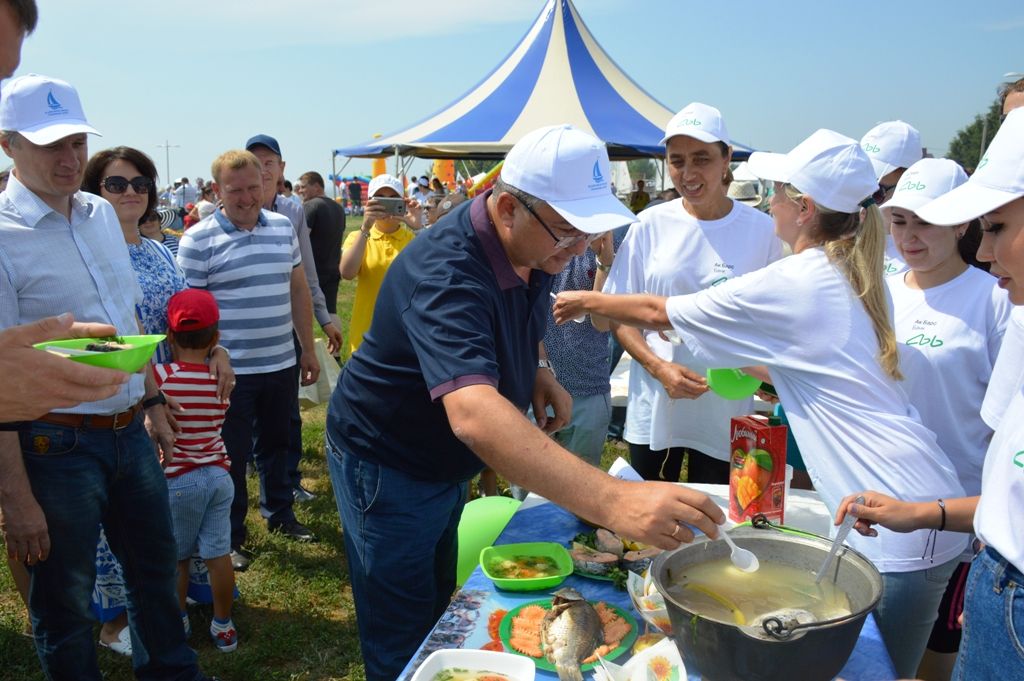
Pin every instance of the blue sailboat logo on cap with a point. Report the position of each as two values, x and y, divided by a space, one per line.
598 177
51 101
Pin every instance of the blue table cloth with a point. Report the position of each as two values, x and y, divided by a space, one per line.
464 623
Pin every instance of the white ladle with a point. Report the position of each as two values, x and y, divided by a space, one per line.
844 529
743 560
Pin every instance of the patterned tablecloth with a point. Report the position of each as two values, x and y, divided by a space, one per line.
464 623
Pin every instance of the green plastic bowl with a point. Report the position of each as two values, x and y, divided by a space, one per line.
547 549
732 384
129 361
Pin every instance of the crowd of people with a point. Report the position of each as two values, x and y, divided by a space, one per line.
873 287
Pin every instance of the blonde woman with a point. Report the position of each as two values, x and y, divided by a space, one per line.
819 322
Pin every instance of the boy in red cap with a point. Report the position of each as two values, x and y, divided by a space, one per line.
198 478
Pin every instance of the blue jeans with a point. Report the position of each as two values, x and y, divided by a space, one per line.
992 644
260 403
83 477
401 541
907 612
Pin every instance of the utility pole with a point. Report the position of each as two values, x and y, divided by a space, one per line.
167 146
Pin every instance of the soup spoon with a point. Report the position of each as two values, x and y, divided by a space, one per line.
743 560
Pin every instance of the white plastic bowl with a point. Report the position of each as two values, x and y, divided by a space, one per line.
516 667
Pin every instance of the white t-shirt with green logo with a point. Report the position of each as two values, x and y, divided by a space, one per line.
670 252
998 521
855 425
1008 372
949 337
894 263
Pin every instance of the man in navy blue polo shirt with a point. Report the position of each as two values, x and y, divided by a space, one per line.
441 383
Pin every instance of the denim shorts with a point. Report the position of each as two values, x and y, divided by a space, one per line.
201 511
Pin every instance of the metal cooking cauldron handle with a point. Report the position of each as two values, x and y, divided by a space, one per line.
781 631
774 626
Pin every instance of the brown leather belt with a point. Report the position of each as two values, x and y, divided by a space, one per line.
94 421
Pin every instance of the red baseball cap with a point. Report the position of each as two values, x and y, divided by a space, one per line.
191 310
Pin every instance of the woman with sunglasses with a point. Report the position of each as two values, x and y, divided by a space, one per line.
681 247
126 178
819 321
993 607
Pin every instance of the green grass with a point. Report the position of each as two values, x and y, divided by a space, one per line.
295 617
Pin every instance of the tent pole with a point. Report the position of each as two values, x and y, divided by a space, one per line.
334 171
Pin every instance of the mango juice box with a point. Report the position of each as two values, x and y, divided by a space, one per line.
757 468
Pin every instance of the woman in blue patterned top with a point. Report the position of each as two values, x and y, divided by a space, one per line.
126 178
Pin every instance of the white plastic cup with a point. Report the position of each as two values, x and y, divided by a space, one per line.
789 479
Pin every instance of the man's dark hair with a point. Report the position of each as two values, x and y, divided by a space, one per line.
26 12
199 339
503 187
312 177
288 185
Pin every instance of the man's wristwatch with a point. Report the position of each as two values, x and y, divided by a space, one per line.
546 364
153 401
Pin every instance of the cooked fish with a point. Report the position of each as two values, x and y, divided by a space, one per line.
608 542
571 631
591 561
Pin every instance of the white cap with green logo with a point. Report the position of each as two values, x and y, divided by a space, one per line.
998 180
925 181
892 145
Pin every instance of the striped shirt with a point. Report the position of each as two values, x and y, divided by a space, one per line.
249 273
198 443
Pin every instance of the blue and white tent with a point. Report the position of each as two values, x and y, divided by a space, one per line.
556 74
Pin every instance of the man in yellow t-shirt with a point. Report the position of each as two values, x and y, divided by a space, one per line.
369 251
639 199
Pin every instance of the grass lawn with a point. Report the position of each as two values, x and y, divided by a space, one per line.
295 617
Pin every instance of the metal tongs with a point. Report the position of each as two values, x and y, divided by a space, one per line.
844 529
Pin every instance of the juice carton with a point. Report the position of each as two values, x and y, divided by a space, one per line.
757 470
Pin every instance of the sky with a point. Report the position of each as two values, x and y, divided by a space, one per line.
205 75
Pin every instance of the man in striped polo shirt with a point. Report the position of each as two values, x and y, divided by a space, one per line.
248 258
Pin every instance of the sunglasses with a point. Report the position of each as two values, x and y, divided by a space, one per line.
883 192
560 241
115 184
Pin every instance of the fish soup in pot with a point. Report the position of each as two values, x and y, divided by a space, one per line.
766 624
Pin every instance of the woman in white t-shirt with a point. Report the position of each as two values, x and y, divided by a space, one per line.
993 635
819 321
678 247
949 317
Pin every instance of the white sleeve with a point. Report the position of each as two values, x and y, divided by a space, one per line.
627 274
734 324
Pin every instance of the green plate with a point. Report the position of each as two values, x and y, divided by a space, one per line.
538 549
129 360
505 633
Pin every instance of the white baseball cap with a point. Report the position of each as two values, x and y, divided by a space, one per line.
385 180
42 109
569 170
998 180
892 145
830 168
924 181
699 121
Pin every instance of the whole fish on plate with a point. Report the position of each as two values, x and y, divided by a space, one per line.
571 631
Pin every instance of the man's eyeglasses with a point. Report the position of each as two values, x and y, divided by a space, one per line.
560 241
115 184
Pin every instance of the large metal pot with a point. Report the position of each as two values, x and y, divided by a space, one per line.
778 649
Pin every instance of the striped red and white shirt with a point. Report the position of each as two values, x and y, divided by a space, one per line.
199 442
